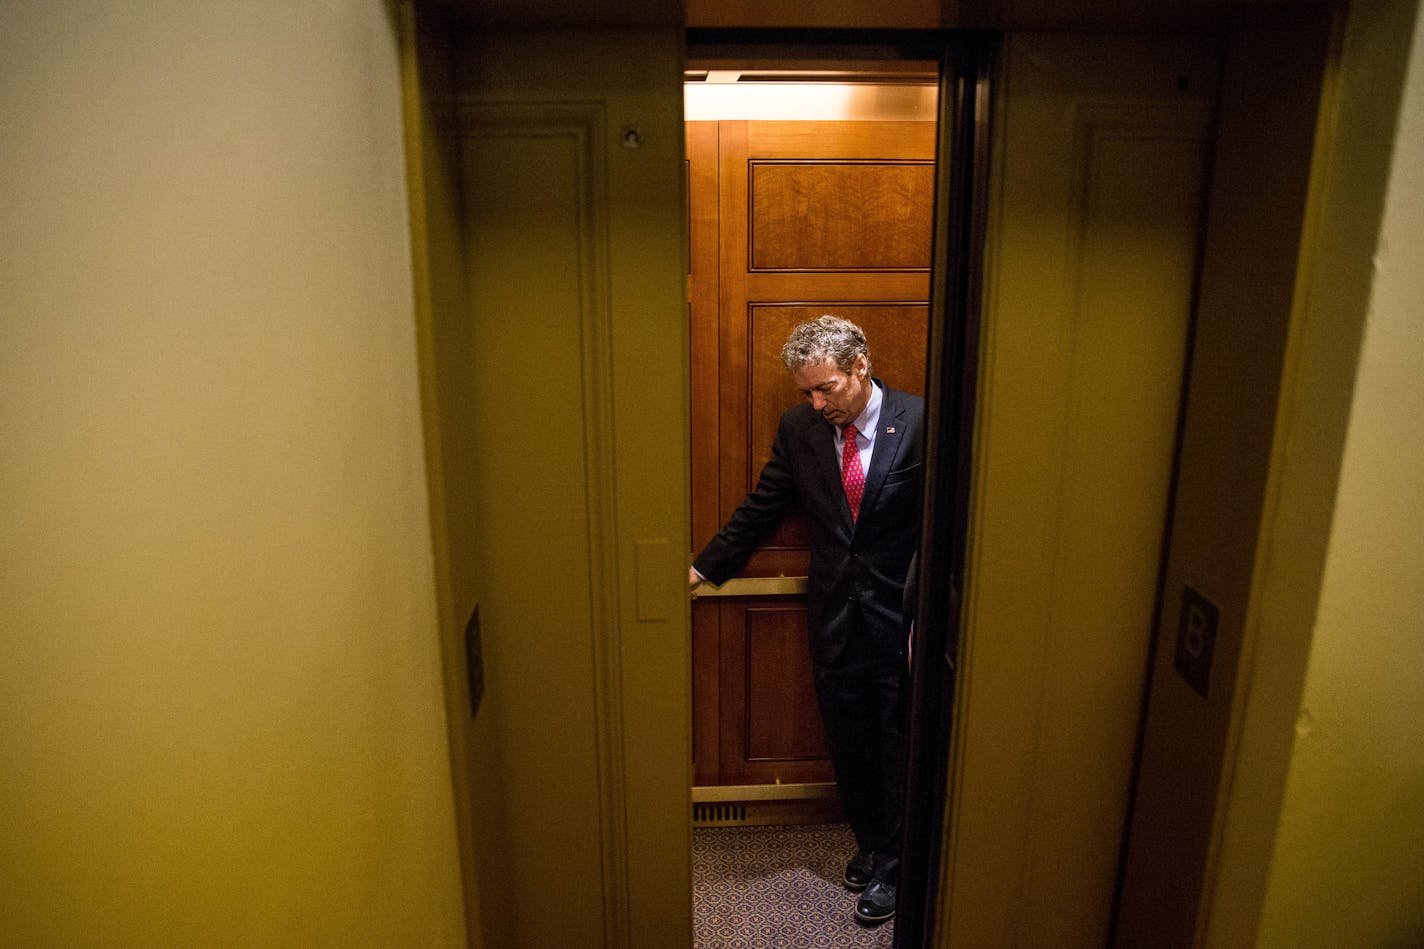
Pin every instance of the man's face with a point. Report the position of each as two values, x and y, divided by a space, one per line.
838 395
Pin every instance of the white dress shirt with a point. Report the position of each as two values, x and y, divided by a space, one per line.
864 424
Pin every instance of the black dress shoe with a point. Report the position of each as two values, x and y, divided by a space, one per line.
858 872
876 904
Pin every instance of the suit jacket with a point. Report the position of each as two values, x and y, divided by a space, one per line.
858 568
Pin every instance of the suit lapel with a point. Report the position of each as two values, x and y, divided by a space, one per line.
891 429
824 445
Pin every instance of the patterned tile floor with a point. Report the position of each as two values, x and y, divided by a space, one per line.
777 888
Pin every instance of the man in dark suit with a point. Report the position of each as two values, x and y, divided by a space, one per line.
850 458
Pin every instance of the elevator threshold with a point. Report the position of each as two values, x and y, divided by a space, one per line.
735 805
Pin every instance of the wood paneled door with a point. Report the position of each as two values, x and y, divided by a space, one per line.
789 220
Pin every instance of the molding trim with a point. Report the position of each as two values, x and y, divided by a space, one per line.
718 793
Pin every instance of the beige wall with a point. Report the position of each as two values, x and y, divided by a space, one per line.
220 708
1348 865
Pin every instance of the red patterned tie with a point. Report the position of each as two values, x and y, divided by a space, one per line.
852 475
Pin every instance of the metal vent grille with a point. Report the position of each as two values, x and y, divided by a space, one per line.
708 814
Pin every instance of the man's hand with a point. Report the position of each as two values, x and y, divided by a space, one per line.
692 579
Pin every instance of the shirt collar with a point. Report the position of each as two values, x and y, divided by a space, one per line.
866 421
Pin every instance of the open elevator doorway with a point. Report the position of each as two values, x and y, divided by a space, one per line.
812 188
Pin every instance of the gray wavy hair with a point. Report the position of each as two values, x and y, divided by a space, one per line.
826 337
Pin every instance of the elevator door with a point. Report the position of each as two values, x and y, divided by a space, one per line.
789 220
1102 149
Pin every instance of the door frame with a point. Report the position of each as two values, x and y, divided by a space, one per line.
966 61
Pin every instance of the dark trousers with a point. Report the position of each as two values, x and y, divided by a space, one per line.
864 709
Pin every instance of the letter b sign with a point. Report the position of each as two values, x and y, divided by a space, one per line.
1196 635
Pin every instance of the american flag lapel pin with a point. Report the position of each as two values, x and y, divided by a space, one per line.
889 430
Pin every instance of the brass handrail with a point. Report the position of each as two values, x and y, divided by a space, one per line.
752 586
